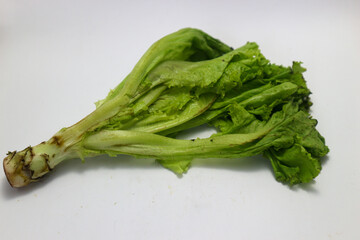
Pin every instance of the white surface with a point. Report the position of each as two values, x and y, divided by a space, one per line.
58 57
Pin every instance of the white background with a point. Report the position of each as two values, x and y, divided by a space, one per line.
58 57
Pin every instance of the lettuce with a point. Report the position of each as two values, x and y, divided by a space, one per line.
184 80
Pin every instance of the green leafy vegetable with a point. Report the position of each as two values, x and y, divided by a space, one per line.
184 80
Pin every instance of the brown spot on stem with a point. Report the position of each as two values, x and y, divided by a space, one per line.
47 161
9 153
56 140
8 158
27 171
31 152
